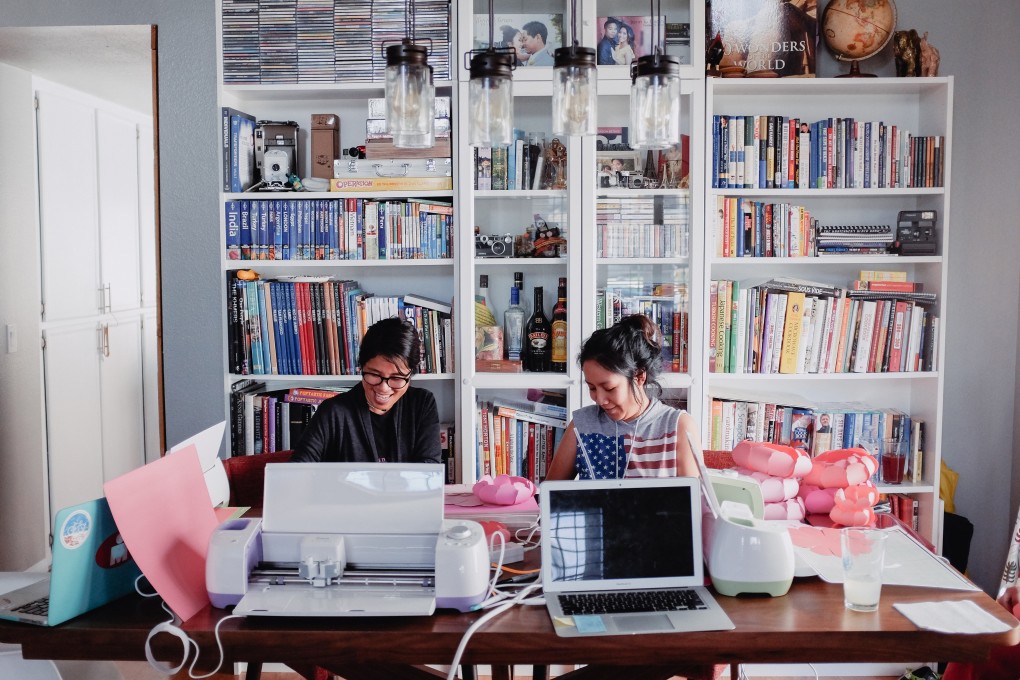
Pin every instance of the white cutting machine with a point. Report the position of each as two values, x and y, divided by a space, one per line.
349 539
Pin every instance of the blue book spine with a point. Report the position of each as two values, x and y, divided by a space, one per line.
763 154
292 327
715 152
267 359
867 155
233 222
245 235
225 133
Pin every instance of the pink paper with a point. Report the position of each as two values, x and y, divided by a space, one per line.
163 513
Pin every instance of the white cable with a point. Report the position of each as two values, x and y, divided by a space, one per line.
813 670
455 664
171 628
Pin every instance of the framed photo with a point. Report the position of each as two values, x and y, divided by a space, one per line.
622 39
611 164
534 37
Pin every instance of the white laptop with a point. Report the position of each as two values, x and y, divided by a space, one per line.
624 557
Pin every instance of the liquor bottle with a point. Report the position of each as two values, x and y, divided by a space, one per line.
537 333
513 326
519 282
485 314
558 354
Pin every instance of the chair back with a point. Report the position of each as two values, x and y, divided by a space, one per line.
246 476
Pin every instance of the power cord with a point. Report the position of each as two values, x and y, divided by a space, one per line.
170 627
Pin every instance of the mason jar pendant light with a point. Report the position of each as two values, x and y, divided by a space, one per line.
575 85
410 91
491 94
655 96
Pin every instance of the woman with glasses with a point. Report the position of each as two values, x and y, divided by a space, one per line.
382 418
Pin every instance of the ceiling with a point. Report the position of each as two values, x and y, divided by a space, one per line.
110 62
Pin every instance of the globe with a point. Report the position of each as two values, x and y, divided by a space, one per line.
858 29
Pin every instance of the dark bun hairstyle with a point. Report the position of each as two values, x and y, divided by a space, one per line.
632 346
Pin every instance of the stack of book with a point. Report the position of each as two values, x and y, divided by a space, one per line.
856 239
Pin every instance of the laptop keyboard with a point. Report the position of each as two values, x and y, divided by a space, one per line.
40 607
631 601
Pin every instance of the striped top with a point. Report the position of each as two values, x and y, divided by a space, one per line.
645 447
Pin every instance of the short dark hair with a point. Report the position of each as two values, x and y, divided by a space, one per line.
391 339
610 20
534 28
632 346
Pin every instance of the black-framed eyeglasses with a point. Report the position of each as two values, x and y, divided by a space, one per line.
394 381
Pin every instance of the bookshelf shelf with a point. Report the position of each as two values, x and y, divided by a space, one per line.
920 106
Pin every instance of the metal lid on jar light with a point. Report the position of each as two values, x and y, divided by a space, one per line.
656 64
491 64
406 53
574 55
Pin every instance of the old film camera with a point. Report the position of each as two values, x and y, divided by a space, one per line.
276 153
915 232
493 245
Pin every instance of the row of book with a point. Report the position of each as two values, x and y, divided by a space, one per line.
785 326
905 508
666 304
748 228
315 41
517 437
815 429
642 227
264 421
339 229
314 325
781 152
521 165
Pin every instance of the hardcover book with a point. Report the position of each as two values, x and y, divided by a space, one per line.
769 38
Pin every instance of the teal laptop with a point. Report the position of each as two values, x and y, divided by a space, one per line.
91 566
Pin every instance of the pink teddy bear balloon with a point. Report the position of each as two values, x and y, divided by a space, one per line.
777 469
839 485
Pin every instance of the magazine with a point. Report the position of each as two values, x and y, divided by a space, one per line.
534 37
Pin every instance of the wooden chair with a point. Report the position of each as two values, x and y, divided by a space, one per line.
246 476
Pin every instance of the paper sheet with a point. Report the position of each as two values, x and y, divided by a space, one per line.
163 512
951 617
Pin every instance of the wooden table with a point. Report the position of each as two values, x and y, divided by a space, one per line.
809 624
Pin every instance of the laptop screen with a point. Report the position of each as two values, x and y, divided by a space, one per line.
621 534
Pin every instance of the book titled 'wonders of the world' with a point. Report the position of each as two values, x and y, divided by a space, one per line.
768 38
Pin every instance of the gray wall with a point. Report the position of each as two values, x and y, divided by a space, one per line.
978 46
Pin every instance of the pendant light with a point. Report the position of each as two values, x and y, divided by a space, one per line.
575 85
655 96
491 94
410 91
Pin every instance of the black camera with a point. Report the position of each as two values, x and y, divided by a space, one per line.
915 232
492 245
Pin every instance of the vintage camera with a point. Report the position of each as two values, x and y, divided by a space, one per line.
633 180
276 166
492 245
276 151
915 232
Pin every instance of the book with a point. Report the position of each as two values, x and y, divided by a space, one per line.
790 350
239 150
428 303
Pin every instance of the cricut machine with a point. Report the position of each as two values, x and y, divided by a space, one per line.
348 539
744 554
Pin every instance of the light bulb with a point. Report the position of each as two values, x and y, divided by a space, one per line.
655 103
410 95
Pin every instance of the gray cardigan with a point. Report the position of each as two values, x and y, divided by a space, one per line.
341 430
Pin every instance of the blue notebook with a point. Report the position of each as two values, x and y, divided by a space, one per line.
91 567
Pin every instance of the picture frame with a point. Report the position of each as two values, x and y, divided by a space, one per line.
610 164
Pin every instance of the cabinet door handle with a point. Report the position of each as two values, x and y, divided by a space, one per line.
106 340
403 170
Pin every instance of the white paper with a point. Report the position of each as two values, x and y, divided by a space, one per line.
951 617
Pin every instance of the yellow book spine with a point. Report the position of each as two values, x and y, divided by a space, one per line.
791 332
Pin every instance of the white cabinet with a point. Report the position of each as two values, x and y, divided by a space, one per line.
94 423
91 214
920 106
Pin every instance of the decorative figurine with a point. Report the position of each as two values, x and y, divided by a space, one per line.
929 58
555 165
907 48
